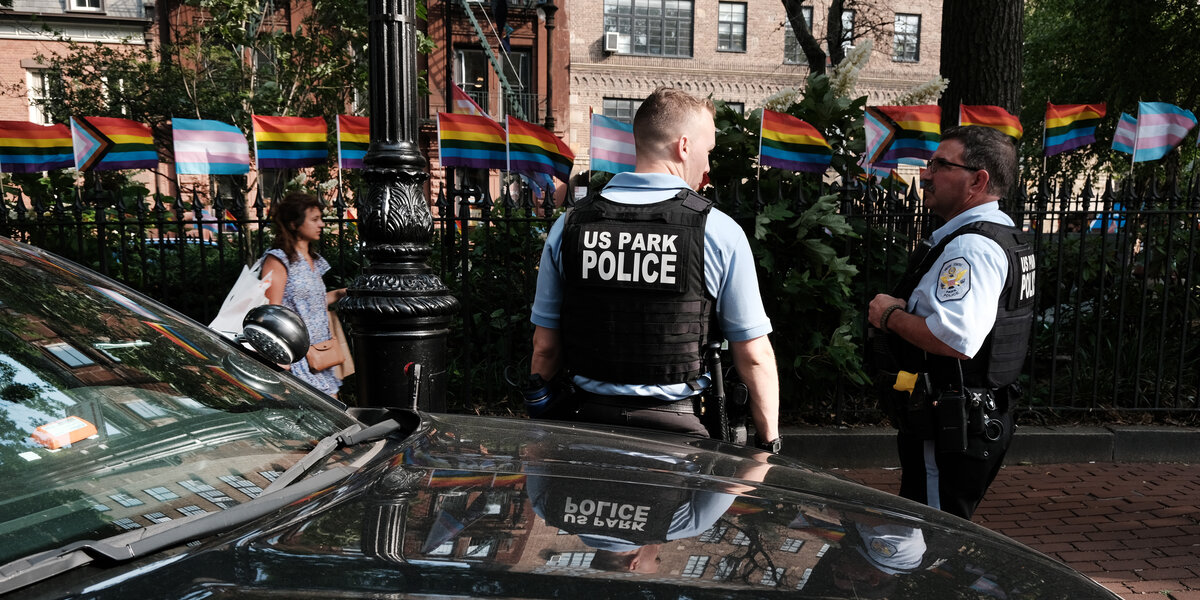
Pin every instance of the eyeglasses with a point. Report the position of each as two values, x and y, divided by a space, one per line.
937 164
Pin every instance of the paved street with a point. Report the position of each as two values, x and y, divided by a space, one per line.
1134 527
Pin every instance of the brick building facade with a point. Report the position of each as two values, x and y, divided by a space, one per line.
24 36
738 52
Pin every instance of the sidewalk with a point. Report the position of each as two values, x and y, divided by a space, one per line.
1121 505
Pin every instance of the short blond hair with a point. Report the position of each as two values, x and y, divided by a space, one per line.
664 115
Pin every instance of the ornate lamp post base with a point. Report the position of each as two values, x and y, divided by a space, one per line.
398 311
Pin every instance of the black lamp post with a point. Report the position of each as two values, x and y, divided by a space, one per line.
398 311
546 12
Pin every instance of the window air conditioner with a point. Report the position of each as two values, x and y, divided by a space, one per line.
612 40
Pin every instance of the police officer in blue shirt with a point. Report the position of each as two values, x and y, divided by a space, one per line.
957 327
635 281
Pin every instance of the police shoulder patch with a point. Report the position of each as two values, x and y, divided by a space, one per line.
954 280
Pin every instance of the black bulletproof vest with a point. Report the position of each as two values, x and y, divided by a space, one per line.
635 308
999 361
640 514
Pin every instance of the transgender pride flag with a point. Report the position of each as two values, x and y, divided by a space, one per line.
1160 127
1126 133
204 147
612 146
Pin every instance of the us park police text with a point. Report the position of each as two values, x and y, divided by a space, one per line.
637 257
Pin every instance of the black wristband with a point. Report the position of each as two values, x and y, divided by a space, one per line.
887 312
773 446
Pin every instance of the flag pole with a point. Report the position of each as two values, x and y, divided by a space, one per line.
1044 138
1137 133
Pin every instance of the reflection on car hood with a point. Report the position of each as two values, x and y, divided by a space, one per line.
479 507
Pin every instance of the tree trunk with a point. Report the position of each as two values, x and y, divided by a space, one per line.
809 44
981 55
834 33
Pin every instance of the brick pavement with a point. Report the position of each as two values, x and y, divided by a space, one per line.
1133 527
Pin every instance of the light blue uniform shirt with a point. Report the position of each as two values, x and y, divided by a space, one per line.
729 275
958 296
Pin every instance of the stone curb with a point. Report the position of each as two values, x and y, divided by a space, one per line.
876 446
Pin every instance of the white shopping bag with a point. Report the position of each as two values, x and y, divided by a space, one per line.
248 292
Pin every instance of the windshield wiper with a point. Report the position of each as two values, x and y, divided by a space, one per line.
128 546
350 436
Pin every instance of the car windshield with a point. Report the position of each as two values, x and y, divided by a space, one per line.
116 413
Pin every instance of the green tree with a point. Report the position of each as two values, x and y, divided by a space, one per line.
218 59
1079 51
871 19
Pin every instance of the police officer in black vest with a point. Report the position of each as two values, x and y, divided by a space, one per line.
636 280
951 339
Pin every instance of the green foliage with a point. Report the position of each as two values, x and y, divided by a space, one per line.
498 280
803 246
1117 312
1085 51
227 67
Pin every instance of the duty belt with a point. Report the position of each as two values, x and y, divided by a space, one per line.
687 406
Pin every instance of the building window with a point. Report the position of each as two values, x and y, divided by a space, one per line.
621 109
847 29
157 517
772 576
651 27
161 493
695 566
741 539
471 74
126 500
242 485
737 107
145 409
70 355
207 492
190 510
793 54
731 27
38 91
906 45
791 545
571 559
713 535
724 569
126 523
88 5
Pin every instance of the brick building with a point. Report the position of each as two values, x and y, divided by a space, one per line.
29 30
740 52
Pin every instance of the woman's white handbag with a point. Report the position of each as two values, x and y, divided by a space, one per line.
249 291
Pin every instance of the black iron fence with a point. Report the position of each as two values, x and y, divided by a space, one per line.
1117 330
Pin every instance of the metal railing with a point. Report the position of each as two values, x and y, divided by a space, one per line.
1117 328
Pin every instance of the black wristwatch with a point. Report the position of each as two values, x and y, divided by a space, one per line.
773 446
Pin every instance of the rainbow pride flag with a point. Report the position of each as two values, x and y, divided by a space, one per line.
206 147
986 115
612 147
177 338
1160 127
902 134
30 148
473 141
354 135
289 142
111 144
786 142
1071 126
1126 133
535 149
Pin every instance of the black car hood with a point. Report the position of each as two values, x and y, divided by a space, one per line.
481 507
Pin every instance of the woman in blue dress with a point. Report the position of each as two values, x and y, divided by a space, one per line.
296 272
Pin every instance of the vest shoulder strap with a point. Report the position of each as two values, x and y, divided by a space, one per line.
1007 236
